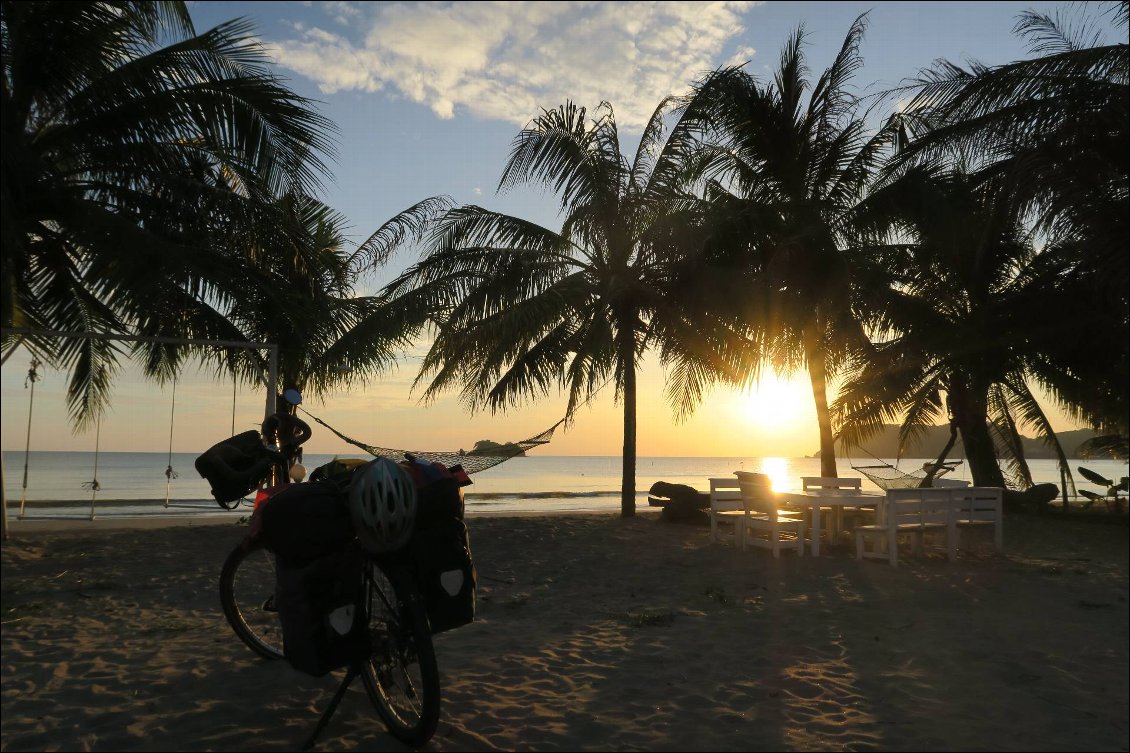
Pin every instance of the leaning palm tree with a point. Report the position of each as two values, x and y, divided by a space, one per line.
521 309
1055 126
122 129
786 174
964 327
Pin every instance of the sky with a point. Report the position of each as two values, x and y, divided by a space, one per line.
427 97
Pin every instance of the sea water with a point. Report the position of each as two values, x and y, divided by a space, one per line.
135 483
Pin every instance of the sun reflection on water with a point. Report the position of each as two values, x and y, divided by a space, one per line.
777 469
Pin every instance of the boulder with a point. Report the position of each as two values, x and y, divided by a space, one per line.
680 503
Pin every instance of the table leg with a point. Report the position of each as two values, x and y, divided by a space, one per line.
816 530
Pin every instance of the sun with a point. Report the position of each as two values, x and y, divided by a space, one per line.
774 403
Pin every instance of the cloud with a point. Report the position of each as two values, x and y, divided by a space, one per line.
507 60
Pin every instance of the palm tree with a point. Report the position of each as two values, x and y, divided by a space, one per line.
521 309
785 176
303 299
122 129
1055 128
965 325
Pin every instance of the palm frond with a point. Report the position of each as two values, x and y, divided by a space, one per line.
411 224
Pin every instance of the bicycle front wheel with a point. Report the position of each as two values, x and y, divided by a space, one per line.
247 594
401 676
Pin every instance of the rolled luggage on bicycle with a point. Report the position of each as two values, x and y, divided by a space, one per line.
235 466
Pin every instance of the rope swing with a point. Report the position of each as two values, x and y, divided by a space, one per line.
32 378
170 474
93 484
233 387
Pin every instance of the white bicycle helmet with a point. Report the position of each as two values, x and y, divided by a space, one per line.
382 501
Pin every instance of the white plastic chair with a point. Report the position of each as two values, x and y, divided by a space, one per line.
764 525
980 507
726 503
830 482
913 512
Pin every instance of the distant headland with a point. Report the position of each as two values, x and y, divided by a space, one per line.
930 443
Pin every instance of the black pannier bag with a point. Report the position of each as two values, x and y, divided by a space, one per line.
234 466
440 550
307 521
319 588
322 611
438 503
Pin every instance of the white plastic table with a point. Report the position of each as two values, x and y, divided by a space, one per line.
833 499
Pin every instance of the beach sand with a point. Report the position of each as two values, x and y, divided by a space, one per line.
593 633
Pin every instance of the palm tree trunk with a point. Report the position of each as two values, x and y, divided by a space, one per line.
928 481
818 377
628 481
971 415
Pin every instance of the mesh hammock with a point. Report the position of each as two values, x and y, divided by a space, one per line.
472 461
888 477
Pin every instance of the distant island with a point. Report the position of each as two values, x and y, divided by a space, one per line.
494 449
930 444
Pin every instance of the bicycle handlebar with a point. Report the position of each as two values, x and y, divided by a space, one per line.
285 431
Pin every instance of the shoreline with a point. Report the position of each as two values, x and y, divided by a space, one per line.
81 526
483 505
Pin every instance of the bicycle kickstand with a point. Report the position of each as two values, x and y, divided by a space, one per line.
350 675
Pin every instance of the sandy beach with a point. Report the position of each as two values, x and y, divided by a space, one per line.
593 633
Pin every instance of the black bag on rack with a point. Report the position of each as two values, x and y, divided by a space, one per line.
319 588
440 547
446 573
322 610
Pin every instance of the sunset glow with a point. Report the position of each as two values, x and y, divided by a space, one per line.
776 404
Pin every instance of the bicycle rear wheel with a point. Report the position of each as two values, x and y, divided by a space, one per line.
401 676
247 594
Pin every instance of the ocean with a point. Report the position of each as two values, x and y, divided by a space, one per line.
134 484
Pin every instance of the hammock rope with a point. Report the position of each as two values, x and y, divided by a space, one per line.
473 461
